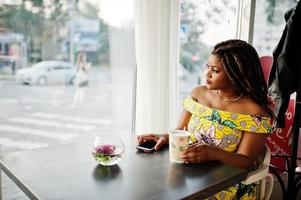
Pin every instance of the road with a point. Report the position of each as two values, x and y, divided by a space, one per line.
35 116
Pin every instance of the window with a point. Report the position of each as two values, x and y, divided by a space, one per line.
42 108
203 24
269 24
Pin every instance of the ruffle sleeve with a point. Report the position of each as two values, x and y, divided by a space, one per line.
235 121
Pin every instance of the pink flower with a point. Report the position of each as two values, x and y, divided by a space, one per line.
105 149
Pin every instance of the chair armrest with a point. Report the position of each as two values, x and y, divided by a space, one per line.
262 171
256 175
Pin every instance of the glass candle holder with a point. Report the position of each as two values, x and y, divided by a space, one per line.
108 149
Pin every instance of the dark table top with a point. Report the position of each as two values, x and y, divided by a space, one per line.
69 171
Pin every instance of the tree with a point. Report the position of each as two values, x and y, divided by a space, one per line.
91 11
196 16
19 20
37 21
272 6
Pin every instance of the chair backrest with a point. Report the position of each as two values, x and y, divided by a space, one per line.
266 64
279 141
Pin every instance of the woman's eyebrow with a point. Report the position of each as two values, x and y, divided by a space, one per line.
213 66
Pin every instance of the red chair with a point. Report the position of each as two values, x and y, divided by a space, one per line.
261 175
266 63
279 141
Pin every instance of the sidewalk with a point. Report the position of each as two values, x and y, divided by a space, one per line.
7 76
10 191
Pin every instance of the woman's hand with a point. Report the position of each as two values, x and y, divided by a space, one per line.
199 152
159 139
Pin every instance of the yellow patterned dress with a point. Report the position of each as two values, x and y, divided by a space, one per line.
224 129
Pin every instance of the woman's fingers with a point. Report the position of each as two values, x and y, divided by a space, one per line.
195 153
193 147
193 158
161 141
139 139
144 138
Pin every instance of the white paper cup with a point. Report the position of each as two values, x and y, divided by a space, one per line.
178 143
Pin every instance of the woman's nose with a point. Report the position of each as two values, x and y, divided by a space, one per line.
208 73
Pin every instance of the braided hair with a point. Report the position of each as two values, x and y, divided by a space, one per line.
243 68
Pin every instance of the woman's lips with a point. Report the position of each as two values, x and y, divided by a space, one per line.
208 82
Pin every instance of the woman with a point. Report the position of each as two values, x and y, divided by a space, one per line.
81 78
229 118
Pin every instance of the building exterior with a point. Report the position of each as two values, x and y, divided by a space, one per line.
13 51
84 36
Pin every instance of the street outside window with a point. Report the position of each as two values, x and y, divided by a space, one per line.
40 45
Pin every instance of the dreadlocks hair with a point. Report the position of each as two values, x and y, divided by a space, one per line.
242 66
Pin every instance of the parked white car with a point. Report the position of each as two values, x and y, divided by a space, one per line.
47 72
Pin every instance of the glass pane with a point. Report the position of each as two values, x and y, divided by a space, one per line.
269 24
64 64
203 24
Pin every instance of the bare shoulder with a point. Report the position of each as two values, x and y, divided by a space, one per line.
198 92
202 95
250 107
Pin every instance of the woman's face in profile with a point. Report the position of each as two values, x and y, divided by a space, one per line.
216 77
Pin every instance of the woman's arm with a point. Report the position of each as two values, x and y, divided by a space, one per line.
250 147
184 120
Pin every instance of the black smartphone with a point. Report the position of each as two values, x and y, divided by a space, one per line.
147 147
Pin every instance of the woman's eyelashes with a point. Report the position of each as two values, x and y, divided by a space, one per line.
212 68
